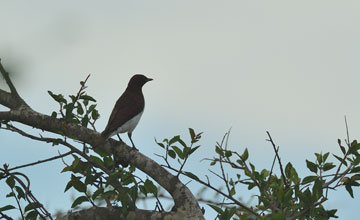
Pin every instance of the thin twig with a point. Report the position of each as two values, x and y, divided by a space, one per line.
221 193
117 185
18 204
2 215
42 161
278 157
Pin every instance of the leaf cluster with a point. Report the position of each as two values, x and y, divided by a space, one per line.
78 109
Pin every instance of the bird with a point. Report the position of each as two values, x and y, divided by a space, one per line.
127 111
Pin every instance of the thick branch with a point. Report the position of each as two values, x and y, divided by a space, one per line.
184 200
16 99
115 213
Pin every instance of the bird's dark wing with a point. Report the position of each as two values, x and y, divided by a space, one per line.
127 106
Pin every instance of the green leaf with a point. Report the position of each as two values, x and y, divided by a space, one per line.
87 97
95 114
217 209
182 143
11 194
68 185
80 109
58 98
85 121
79 186
32 215
31 206
171 153
66 169
20 192
328 166
228 153
318 158
355 170
53 114
312 166
349 189
69 108
150 187
192 135
288 169
7 207
308 179
91 108
340 159
232 191
174 139
192 176
245 155
79 200
97 159
97 193
193 149
10 181
356 161
317 190
178 151
331 213
325 156
160 144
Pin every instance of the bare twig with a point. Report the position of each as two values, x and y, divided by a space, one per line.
273 163
42 161
230 197
2 215
278 157
18 204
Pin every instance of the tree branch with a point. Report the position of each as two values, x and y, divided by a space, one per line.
184 200
13 91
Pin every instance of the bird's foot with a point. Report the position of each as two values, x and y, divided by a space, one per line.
134 148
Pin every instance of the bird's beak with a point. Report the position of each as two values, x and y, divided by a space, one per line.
149 79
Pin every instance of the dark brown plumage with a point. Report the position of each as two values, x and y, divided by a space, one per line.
127 110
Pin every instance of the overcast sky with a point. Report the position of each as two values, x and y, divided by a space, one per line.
288 67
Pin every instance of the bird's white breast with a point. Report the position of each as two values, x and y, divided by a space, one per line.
128 126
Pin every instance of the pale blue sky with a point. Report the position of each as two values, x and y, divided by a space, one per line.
288 67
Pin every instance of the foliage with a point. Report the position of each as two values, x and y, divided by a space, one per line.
94 174
100 180
287 196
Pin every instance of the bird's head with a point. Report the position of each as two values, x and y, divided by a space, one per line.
137 81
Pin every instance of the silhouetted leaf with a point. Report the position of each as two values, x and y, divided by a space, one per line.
312 166
171 153
349 189
245 155
10 181
328 166
192 176
308 179
178 152
79 200
31 206
87 97
7 207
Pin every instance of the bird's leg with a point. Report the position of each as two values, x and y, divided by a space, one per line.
119 138
133 145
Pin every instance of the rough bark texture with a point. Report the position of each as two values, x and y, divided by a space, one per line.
186 206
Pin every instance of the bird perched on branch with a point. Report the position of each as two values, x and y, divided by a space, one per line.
127 110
